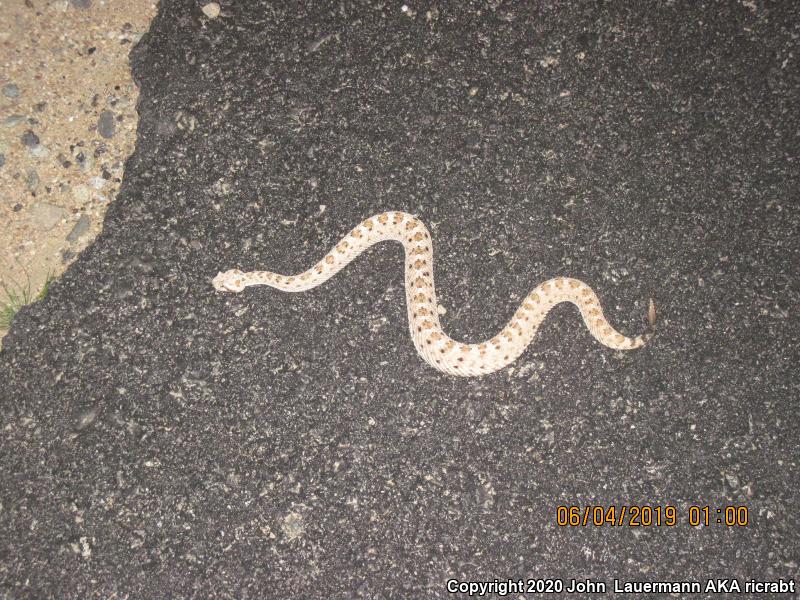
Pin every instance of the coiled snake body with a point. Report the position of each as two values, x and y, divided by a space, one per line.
431 342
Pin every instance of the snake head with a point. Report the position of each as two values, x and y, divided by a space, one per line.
229 281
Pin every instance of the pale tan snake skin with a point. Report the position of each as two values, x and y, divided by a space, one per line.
431 342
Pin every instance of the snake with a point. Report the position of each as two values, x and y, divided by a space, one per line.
431 342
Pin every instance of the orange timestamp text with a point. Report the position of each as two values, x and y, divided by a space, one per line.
650 516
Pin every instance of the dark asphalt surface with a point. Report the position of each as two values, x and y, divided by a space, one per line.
160 439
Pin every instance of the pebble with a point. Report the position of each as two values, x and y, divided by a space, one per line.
81 193
2 159
86 419
106 125
40 151
81 3
86 162
32 180
30 139
45 216
13 120
11 90
211 10
79 229
293 526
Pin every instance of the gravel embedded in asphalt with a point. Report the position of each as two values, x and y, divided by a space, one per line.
161 438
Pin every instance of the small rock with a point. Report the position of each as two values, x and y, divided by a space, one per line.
40 106
86 162
40 151
11 90
79 229
30 139
85 419
13 120
45 216
81 193
98 183
548 61
106 125
2 159
211 10
293 526
81 3
32 180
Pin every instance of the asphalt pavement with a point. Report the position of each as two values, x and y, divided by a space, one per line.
161 439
